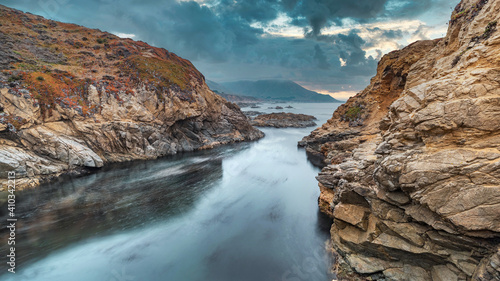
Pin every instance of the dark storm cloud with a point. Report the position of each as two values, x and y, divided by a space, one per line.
197 32
387 34
259 10
321 12
349 47
320 58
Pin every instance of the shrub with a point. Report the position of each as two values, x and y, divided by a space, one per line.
489 29
459 14
353 113
102 40
14 78
159 73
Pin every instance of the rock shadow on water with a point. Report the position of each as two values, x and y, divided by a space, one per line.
57 214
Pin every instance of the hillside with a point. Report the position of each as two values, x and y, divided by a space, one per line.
226 93
214 86
74 98
276 90
411 165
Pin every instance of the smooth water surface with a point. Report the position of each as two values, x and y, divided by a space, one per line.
241 212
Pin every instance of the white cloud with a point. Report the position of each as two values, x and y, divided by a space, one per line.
280 27
410 30
425 32
124 35
341 95
342 62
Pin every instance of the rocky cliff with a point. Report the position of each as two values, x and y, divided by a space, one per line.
74 98
412 164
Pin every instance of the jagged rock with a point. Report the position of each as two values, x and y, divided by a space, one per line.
418 152
489 268
58 146
352 214
284 120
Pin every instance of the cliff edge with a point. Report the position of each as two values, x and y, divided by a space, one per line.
412 164
73 98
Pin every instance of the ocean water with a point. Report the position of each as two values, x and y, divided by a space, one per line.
241 212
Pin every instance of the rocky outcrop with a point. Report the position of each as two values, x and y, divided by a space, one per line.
252 113
74 99
412 164
284 120
358 120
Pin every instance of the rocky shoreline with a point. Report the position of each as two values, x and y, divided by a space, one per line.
97 99
411 165
284 120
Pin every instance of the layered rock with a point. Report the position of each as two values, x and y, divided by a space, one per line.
412 175
75 98
284 120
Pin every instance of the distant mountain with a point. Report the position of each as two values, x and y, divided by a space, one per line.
216 87
238 99
227 94
275 90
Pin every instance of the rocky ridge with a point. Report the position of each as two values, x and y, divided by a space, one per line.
73 98
284 120
412 164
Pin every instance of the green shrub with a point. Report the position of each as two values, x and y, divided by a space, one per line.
488 30
14 78
353 113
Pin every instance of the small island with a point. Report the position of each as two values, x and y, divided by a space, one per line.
284 120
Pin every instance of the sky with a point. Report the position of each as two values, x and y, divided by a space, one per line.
330 46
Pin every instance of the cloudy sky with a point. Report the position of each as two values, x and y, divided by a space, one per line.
331 46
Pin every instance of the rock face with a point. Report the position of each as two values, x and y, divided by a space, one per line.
75 98
284 120
412 164
358 120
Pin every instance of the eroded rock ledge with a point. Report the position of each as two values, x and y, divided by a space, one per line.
412 164
284 120
73 98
